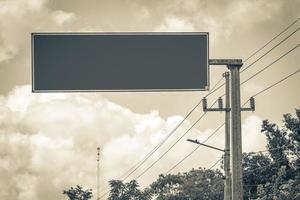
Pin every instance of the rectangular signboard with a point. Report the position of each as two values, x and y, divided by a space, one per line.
66 62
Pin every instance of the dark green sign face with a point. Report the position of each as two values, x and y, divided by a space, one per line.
63 62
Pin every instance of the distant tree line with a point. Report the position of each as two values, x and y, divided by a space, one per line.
273 174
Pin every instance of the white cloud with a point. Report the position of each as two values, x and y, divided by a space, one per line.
173 23
263 10
54 137
20 7
253 139
62 18
251 88
18 18
48 141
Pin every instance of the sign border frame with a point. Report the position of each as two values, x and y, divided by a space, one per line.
117 33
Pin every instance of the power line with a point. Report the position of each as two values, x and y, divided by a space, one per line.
266 53
170 170
266 67
262 184
283 147
189 154
269 87
265 166
278 44
103 195
290 25
258 93
260 71
214 89
262 91
169 148
166 138
216 163
220 87
281 80
205 113
161 143
173 144
262 167
274 84
247 101
138 164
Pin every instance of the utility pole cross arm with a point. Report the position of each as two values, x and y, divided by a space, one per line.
225 62
219 109
252 105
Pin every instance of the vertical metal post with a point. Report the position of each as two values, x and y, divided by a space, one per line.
227 190
236 135
98 173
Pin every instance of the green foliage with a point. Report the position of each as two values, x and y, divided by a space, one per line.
77 193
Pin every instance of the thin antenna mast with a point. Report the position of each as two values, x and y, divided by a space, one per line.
98 172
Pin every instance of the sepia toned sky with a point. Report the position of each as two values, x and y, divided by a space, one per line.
48 141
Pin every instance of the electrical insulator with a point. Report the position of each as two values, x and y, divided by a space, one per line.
204 104
252 103
220 102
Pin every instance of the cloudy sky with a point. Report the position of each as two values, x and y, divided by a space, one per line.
48 141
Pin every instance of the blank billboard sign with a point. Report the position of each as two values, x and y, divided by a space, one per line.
66 62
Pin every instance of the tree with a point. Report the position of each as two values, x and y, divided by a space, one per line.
168 186
197 184
204 184
127 191
258 169
77 193
272 175
277 175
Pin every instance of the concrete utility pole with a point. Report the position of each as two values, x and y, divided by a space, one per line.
227 184
98 173
234 66
236 134
227 189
